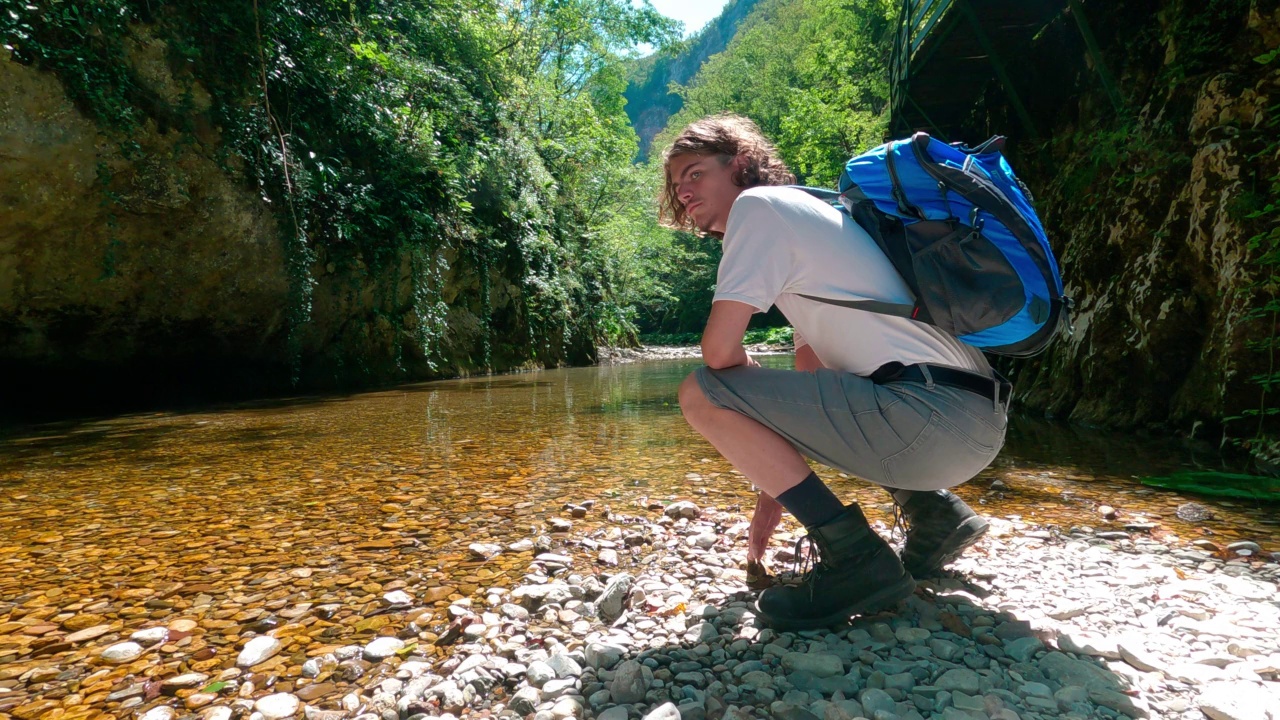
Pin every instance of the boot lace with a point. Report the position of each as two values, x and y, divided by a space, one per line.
807 563
901 523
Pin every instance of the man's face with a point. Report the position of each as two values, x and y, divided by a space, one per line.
704 186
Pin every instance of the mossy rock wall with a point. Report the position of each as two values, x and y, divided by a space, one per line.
1148 208
152 274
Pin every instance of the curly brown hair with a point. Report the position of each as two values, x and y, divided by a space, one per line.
725 137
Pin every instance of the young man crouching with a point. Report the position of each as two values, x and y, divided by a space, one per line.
873 395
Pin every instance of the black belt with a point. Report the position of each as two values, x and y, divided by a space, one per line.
987 387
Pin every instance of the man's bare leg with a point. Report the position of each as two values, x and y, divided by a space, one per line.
765 457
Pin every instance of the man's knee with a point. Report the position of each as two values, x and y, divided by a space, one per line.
691 397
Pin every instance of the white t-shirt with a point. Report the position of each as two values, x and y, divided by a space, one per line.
780 243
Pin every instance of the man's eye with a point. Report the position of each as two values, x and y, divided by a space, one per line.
695 174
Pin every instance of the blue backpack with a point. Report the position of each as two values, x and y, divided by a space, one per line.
962 231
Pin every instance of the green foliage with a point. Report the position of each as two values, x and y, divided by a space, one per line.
811 73
468 136
1198 32
79 41
1219 484
770 336
1121 155
780 336
485 145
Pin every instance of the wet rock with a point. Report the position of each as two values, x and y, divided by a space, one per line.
122 652
150 636
88 633
382 648
315 691
163 712
485 551
220 712
1193 512
313 667
682 509
397 598
258 650
185 680
278 706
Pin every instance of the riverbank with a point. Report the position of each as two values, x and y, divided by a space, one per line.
1141 630
643 612
623 355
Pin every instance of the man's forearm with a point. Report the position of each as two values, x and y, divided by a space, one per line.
726 357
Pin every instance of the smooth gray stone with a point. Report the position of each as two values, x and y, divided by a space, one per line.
961 679
1023 649
873 700
1062 669
630 682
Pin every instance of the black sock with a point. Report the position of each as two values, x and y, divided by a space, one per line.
811 502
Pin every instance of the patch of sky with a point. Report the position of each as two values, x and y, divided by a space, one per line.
693 13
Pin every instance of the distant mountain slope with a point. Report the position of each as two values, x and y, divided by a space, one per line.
649 105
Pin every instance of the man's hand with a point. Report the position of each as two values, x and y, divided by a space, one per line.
763 522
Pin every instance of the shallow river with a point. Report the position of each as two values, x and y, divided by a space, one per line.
227 517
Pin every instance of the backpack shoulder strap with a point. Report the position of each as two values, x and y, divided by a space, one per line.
901 310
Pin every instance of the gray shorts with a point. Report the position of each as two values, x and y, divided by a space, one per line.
905 435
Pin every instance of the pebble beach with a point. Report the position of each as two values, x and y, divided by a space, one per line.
647 616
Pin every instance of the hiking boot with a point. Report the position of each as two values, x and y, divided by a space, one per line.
855 573
939 527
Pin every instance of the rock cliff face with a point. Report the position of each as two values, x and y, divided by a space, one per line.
649 105
141 269
1148 210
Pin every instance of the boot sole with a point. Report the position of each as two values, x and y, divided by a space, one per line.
885 598
962 538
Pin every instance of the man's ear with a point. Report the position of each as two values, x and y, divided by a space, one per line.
736 167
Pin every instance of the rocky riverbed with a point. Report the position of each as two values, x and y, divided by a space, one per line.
646 615
620 355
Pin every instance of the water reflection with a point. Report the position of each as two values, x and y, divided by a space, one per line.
452 462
